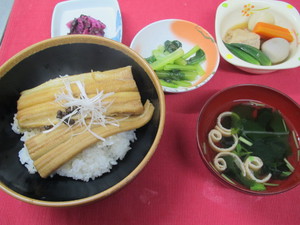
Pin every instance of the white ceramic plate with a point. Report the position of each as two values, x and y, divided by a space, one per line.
107 11
189 34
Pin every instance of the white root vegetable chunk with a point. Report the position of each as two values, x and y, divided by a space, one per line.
277 49
265 17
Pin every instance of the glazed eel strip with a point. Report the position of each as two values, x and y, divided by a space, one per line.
37 107
50 151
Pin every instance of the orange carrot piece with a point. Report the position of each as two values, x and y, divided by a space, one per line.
267 31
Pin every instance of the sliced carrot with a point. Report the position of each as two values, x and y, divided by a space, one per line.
267 31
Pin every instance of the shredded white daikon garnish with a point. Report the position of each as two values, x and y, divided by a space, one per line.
84 108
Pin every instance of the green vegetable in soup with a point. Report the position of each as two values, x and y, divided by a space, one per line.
234 172
269 137
262 132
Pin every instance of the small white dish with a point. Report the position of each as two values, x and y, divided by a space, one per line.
232 13
189 34
107 11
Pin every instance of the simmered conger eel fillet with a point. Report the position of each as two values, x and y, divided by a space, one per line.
62 149
37 106
75 112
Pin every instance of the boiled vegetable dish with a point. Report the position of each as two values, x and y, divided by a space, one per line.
174 67
260 41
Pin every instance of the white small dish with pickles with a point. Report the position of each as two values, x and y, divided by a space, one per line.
107 11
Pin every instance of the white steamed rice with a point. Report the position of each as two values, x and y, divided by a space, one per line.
90 163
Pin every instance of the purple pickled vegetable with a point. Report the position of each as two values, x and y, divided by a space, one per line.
86 25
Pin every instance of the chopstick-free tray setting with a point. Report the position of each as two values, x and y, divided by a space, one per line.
107 11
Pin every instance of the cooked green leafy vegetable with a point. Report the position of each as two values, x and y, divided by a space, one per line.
234 171
174 67
269 137
165 59
198 58
171 46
